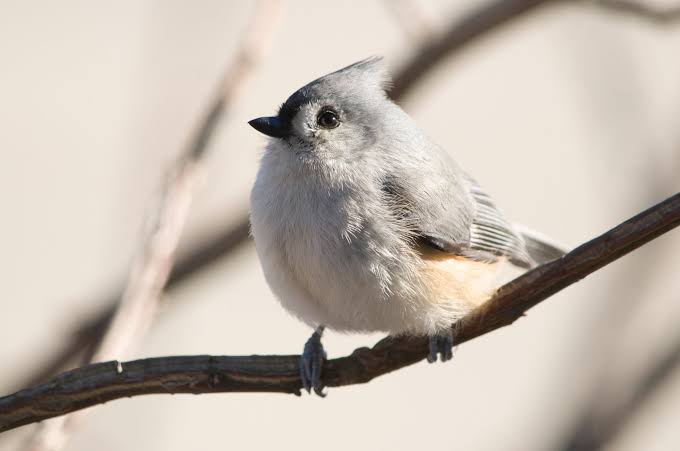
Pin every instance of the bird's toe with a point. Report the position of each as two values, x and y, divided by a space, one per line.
311 364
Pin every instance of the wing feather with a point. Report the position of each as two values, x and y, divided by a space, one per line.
491 232
489 236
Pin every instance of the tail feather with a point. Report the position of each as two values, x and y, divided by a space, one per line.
541 248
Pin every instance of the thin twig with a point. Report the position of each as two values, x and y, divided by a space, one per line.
98 383
459 34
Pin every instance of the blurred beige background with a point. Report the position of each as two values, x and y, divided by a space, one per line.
570 118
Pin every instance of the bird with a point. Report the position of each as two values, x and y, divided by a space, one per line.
362 223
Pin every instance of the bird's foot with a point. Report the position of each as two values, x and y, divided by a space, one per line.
311 363
442 345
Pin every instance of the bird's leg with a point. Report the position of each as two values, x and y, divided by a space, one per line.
311 363
441 344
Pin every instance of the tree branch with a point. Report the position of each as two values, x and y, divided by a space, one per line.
98 383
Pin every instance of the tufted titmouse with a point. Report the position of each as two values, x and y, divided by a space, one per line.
361 223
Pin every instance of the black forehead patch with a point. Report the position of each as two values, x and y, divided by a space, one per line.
294 103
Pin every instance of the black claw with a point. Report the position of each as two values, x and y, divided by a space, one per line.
441 345
434 346
304 371
311 363
447 347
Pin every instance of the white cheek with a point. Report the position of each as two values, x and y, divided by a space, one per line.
304 123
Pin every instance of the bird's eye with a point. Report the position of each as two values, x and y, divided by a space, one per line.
328 119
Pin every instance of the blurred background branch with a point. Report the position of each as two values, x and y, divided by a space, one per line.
412 18
458 35
130 318
599 424
641 9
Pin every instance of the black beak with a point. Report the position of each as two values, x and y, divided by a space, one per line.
271 126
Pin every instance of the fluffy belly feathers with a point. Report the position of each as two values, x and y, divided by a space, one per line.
332 262
326 280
